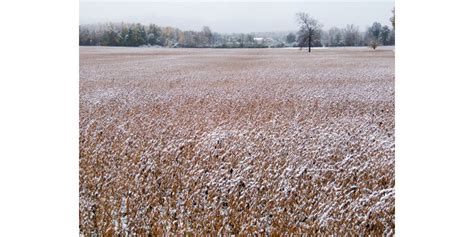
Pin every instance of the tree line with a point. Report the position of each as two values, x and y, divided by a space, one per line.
310 34
136 34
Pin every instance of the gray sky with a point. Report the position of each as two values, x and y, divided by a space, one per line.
231 16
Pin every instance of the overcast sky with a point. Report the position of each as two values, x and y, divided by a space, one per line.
232 16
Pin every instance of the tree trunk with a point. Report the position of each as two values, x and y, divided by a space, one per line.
309 42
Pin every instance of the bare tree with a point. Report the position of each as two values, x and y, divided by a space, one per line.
351 35
310 30
290 38
374 35
207 35
334 37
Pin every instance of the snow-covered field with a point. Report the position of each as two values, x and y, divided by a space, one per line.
237 141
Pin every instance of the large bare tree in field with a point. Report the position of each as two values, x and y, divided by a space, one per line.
310 30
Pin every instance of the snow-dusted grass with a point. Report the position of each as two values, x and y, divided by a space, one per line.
236 141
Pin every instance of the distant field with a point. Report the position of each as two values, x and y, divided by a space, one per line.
237 141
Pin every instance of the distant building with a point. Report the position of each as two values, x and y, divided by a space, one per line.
259 40
263 41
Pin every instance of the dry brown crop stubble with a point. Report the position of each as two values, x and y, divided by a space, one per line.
236 141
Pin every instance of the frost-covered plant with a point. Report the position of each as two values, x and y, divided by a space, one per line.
236 142
374 43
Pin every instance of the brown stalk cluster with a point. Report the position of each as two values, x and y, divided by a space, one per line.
258 141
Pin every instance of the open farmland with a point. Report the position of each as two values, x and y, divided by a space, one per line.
237 141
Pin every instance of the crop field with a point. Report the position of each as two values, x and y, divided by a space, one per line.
236 141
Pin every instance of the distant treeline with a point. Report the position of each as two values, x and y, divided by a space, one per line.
352 36
133 35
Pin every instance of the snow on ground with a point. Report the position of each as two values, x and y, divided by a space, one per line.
236 141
